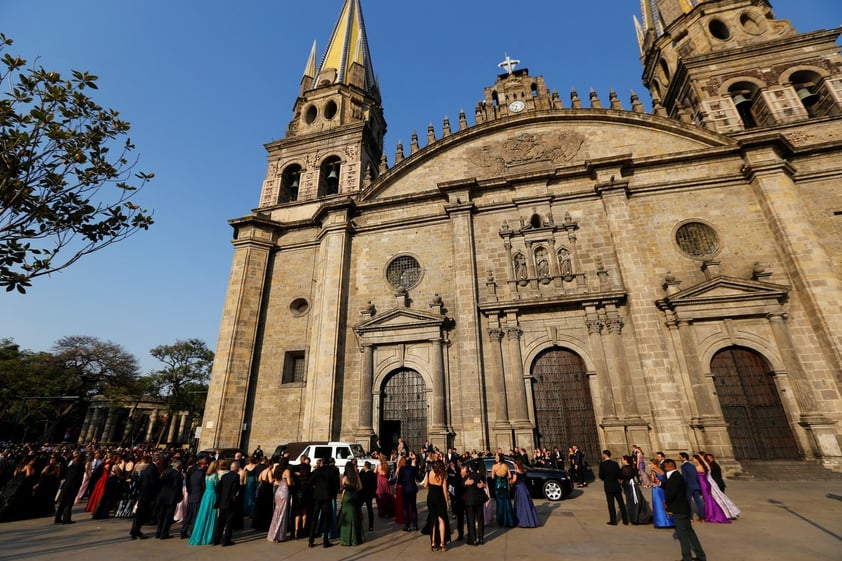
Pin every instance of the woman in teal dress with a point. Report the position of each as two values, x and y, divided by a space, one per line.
350 513
502 480
250 491
206 516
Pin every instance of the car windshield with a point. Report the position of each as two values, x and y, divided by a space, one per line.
358 451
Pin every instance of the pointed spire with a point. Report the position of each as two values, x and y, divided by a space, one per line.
640 33
399 152
595 103
431 134
463 120
445 127
575 102
616 104
349 44
637 106
413 143
384 163
310 67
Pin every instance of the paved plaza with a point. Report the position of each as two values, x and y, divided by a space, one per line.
793 521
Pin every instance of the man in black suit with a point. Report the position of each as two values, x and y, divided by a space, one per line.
147 490
369 481
195 489
715 471
579 465
228 502
169 495
325 486
676 504
609 473
72 482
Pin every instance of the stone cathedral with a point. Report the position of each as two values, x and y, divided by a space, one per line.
548 272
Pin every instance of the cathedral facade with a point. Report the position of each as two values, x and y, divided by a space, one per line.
554 273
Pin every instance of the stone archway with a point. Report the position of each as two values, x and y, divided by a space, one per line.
564 413
403 409
757 423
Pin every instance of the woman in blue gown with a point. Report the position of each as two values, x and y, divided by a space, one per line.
250 488
526 515
206 516
660 518
502 478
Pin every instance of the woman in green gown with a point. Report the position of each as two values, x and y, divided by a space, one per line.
206 515
350 514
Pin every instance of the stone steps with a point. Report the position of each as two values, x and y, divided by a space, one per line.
786 470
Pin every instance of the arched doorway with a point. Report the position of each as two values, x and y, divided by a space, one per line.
757 423
564 411
403 410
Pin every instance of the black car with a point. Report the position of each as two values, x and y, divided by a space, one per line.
548 483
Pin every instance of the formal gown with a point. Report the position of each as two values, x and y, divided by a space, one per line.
206 515
727 505
399 519
437 508
660 518
505 514
280 516
488 508
99 488
384 497
526 515
249 493
350 518
713 512
263 507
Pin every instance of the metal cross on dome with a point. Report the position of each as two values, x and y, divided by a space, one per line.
509 64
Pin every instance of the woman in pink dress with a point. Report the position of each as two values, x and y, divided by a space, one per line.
280 516
384 497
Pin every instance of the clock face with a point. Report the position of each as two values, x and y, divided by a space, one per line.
517 106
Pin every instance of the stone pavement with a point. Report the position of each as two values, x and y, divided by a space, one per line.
793 521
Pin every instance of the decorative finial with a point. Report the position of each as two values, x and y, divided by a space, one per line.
509 64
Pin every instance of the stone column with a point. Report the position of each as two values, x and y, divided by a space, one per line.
182 424
439 405
172 420
497 396
83 434
796 392
153 416
365 419
515 383
326 340
225 407
108 429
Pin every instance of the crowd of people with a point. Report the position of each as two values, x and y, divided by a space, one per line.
212 496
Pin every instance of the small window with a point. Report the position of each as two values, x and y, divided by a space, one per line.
343 453
293 367
403 271
330 109
310 114
323 452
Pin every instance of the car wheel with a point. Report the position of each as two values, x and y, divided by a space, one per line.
553 491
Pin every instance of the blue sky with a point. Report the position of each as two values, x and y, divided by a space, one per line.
206 84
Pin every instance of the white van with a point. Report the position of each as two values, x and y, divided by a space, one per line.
342 452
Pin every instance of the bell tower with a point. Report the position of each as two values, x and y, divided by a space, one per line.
334 143
731 65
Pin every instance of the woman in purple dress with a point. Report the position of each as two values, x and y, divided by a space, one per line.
525 514
713 512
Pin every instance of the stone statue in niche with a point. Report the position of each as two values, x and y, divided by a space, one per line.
543 265
520 269
565 264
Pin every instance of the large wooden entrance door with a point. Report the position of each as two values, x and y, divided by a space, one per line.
564 410
757 423
403 407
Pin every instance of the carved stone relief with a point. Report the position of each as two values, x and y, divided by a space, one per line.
549 149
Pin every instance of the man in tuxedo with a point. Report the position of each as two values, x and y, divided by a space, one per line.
169 495
147 485
195 489
661 459
676 504
72 483
691 480
715 471
325 486
227 501
369 481
609 473
579 466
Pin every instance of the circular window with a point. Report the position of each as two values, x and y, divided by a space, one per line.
403 271
697 240
310 114
299 307
719 30
330 109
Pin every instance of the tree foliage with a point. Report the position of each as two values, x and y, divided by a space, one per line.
63 192
183 382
